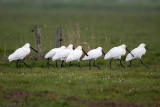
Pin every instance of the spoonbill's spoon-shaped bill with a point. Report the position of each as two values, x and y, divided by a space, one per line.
149 50
34 49
84 52
129 51
103 52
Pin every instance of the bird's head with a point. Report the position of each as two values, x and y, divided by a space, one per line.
63 47
142 45
100 48
79 48
70 46
123 46
27 45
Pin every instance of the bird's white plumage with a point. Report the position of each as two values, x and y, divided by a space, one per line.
116 52
52 52
93 54
20 53
75 54
137 52
63 54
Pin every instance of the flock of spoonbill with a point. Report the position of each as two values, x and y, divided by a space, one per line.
52 53
63 54
69 54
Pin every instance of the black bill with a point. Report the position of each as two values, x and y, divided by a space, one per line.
103 52
84 52
129 52
149 49
34 49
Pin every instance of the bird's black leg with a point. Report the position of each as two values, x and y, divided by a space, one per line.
121 64
143 64
79 65
17 63
130 63
56 64
96 65
26 64
90 64
69 64
62 64
110 63
48 63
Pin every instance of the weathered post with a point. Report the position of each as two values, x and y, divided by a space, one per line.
58 37
38 41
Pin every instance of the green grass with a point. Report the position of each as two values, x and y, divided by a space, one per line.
90 24
137 85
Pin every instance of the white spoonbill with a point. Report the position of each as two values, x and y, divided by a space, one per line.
116 53
20 53
138 52
63 54
75 55
94 54
52 52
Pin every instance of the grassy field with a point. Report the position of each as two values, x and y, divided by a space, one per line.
90 24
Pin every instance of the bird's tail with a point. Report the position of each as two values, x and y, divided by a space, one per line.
68 59
85 58
46 56
107 56
10 58
50 54
54 58
129 57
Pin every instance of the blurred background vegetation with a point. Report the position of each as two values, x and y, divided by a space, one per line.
89 23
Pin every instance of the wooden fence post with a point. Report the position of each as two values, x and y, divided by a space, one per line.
38 41
58 38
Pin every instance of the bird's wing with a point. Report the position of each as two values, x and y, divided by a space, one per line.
129 57
115 52
137 53
77 54
61 54
95 53
91 51
64 53
18 54
89 55
50 54
70 57
134 51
